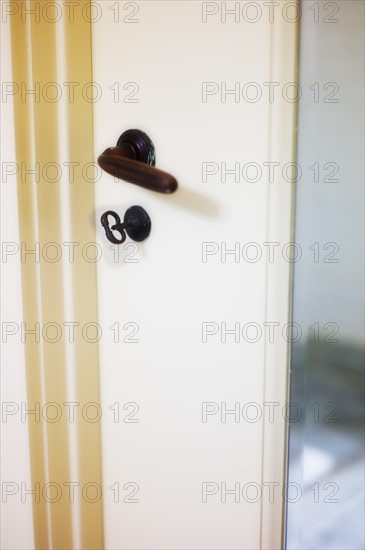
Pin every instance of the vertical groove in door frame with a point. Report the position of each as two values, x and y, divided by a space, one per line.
28 234
37 129
78 41
280 204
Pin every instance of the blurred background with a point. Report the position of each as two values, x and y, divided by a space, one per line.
326 445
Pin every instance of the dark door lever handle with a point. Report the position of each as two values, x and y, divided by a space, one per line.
133 160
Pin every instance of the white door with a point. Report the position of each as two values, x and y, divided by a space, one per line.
188 361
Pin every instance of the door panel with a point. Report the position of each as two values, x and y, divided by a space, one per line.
164 305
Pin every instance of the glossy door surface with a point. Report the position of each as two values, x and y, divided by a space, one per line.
184 340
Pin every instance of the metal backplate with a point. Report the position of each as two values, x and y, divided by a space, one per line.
141 144
139 223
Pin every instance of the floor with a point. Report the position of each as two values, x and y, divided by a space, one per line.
327 450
